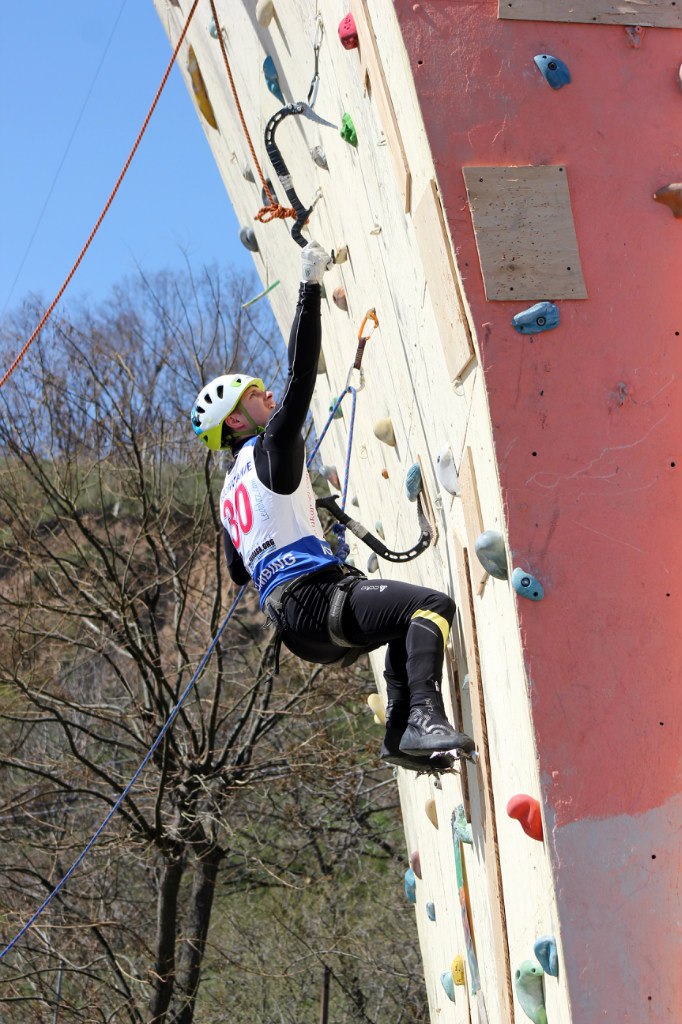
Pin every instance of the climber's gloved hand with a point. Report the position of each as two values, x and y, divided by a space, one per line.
314 262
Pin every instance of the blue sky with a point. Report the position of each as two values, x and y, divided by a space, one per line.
77 79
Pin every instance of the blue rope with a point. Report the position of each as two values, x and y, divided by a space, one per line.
171 718
175 711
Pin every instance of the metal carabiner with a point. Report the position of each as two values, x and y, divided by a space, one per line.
315 83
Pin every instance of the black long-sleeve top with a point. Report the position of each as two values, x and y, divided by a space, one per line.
279 453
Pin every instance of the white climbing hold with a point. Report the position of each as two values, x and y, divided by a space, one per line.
247 173
341 254
383 429
446 471
376 230
354 501
372 563
377 707
265 12
321 364
319 157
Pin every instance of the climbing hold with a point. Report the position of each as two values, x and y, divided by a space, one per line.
264 195
247 173
526 810
348 33
410 886
635 35
330 474
348 132
415 863
213 29
379 711
446 470
413 481
383 429
199 87
431 812
546 954
530 991
265 12
491 553
385 473
376 230
354 501
671 195
553 70
543 316
379 529
321 363
341 254
318 155
340 298
271 78
448 984
461 829
466 682
372 563
338 412
431 911
525 585
457 970
248 239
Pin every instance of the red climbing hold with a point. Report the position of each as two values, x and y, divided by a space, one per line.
348 34
526 810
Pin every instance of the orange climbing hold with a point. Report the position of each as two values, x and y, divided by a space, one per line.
526 810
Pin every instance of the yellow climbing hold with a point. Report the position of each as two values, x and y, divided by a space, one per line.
458 970
265 12
431 812
383 429
377 706
199 87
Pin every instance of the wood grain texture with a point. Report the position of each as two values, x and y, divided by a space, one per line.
472 517
525 234
657 13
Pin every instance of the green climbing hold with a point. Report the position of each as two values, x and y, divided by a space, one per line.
338 411
348 132
530 990
461 829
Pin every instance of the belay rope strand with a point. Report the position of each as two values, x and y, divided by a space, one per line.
46 315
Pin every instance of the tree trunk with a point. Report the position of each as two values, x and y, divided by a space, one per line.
163 973
205 870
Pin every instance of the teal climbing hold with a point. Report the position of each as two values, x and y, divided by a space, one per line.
213 29
546 954
431 911
379 527
526 585
448 984
491 553
248 239
348 132
413 481
553 70
272 79
410 886
461 829
530 991
543 316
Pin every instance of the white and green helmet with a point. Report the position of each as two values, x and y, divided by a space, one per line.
214 404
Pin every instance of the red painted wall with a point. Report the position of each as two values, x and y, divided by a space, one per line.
586 419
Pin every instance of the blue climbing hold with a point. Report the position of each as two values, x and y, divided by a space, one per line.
553 70
272 79
491 553
526 585
413 481
410 886
448 984
213 29
431 911
546 954
543 316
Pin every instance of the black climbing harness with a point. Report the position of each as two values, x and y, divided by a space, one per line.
331 505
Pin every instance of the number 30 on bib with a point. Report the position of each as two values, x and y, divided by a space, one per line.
240 515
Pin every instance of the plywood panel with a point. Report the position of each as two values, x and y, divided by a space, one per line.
524 233
660 13
441 276
472 516
375 81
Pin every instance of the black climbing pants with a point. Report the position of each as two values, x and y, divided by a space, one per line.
413 621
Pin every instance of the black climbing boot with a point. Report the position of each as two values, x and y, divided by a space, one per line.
428 731
396 722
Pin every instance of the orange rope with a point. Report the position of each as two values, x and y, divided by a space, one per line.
274 211
48 311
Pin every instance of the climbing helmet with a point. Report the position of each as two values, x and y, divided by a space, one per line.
215 402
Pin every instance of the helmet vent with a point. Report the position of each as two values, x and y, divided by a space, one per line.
199 409
208 399
219 391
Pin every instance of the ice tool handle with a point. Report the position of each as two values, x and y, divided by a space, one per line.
281 169
362 533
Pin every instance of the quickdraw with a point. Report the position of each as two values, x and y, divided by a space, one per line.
331 505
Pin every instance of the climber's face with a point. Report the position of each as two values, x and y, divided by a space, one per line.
259 407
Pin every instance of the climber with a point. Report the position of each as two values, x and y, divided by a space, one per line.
324 611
